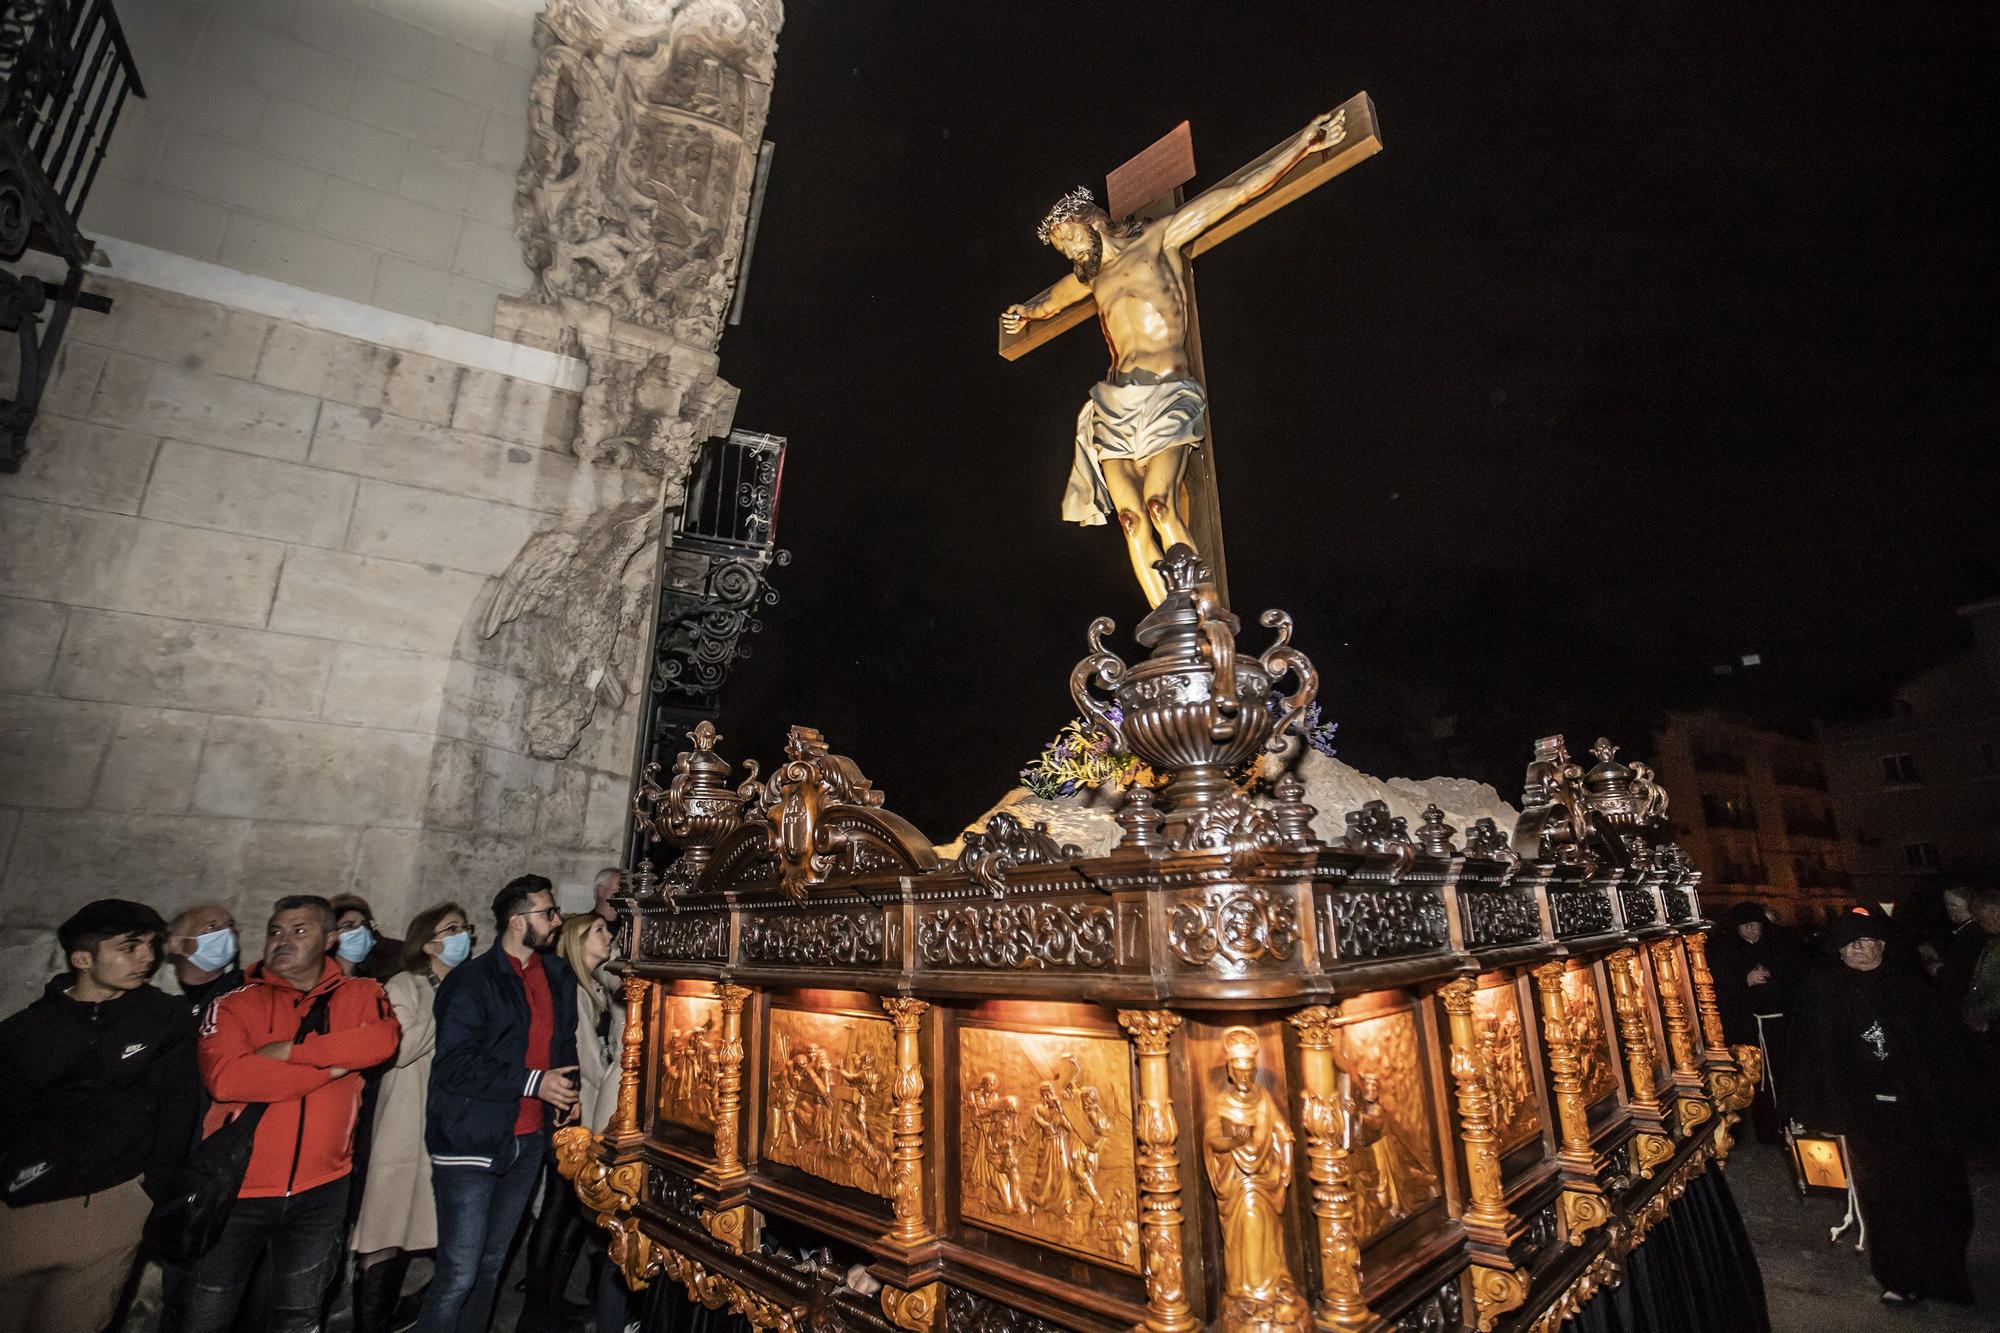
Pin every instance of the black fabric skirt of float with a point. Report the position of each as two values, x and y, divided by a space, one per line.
1694 1273
667 1309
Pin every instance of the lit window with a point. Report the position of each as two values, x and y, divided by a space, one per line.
1899 770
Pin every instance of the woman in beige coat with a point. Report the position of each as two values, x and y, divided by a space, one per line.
558 1237
398 1214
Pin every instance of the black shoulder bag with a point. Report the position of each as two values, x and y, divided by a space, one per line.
189 1217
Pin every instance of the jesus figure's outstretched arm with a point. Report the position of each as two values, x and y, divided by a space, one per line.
1220 200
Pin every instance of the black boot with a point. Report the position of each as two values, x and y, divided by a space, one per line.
376 1288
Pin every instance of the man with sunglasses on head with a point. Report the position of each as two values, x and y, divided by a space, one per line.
503 1076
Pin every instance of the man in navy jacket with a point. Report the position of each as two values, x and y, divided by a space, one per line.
503 1077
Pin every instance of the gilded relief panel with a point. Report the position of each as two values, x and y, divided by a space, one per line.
1395 1158
1585 1019
1045 1140
827 1081
1503 1048
690 1031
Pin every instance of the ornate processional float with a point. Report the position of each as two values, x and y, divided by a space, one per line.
1235 1069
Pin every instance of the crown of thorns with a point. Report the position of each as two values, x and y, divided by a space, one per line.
1068 209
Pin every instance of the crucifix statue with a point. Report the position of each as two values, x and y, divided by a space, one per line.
1141 424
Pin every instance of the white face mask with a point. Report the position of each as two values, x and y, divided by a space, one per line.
214 950
355 942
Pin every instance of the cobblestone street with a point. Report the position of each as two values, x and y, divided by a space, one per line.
1817 1287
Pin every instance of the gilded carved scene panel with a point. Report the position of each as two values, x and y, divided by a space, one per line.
1394 1159
827 1089
1045 1140
1503 1049
1584 1017
690 1032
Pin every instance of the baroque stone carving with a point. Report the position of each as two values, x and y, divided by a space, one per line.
1238 925
631 205
1371 924
824 939
643 126
1018 936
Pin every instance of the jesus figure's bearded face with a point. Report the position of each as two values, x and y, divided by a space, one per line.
1078 242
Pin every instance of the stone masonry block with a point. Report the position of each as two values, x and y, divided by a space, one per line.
484 705
285 858
155 662
303 258
152 762
275 62
166 326
471 867
363 35
52 748
56 554
431 527
452 801
148 215
511 790
240 176
385 687
382 602
74 380
508 409
200 97
29 633
259 497
389 222
64 860
304 771
411 289
348 370
563 808
333 141
373 444
215 410
388 871
418 112
74 462
492 254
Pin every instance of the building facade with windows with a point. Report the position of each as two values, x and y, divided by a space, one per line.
1751 806
1917 789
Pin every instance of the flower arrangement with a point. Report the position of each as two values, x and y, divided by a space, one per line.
1080 757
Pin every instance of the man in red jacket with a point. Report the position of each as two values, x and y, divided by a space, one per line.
294 1038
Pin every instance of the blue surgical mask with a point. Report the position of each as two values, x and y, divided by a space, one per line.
214 950
455 949
355 942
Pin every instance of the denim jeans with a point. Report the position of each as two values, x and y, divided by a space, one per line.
477 1213
303 1234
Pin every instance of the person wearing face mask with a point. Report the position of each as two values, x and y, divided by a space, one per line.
1875 1060
202 945
398 1212
361 950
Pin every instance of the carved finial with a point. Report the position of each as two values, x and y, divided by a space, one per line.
1604 749
1434 835
646 884
1183 570
1291 815
1139 820
705 736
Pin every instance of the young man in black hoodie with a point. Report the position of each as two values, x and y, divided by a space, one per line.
100 1106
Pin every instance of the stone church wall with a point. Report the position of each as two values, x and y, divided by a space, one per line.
241 577
368 151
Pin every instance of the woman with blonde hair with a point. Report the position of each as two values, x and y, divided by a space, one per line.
585 944
398 1215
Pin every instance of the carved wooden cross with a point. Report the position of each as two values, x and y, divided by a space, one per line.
1148 186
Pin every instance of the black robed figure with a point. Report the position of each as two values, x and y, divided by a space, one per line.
1875 1059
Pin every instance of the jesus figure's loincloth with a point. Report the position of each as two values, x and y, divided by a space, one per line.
1130 423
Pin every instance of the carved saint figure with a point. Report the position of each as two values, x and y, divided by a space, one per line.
1050 1192
1393 1181
1003 1156
1248 1147
979 1105
1135 430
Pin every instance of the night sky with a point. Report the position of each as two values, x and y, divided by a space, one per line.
1654 337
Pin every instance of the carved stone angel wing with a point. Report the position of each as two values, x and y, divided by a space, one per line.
535 572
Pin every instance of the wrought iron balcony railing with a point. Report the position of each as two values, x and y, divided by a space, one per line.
66 71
